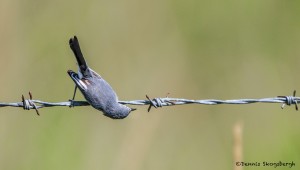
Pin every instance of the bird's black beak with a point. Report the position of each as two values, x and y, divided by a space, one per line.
133 109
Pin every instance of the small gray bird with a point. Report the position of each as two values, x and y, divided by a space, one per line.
94 88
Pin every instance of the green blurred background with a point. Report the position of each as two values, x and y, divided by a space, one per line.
190 49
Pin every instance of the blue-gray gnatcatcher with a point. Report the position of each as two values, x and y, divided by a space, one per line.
94 88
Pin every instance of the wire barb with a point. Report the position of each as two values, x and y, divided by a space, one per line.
159 102
28 104
290 100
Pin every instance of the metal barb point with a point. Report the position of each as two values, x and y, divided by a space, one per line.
289 100
28 103
156 102
33 104
151 103
30 95
23 101
295 101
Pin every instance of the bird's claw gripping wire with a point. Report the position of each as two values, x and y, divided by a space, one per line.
71 103
29 104
289 100
72 100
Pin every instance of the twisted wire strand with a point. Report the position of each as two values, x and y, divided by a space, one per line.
28 104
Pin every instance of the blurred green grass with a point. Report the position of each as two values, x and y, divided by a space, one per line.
190 49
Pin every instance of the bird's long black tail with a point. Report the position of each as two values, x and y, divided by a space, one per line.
74 44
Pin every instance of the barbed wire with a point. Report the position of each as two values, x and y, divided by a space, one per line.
28 104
